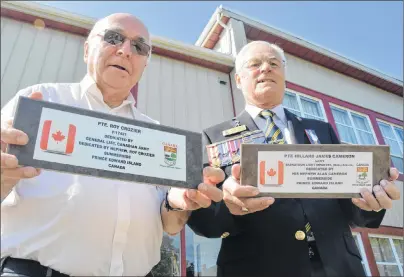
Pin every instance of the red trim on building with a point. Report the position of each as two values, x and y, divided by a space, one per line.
342 103
382 230
253 33
329 115
192 60
327 100
370 257
49 23
20 16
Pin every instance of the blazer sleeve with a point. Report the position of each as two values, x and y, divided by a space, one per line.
215 220
356 216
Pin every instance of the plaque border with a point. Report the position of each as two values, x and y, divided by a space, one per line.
27 119
249 164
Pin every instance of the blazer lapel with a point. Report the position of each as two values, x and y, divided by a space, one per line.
297 126
245 118
297 123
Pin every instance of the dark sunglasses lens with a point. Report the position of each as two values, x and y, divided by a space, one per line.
141 48
113 38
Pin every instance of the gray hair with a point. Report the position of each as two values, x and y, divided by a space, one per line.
240 56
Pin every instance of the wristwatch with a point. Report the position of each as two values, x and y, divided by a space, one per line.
167 204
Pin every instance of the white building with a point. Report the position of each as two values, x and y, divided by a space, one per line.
42 44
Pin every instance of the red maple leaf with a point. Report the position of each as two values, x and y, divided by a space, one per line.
58 136
271 172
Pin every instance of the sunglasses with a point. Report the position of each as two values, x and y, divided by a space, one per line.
138 45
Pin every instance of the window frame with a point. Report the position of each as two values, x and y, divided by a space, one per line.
392 125
298 95
349 111
393 247
363 253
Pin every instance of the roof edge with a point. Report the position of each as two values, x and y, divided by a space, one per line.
193 50
294 39
51 13
209 27
57 15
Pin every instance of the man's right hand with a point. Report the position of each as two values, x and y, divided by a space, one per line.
11 172
240 199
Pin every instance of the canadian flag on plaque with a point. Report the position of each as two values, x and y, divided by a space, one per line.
271 173
57 137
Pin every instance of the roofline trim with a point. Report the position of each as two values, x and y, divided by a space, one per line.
51 13
264 27
43 11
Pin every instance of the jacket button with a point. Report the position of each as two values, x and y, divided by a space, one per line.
225 235
300 235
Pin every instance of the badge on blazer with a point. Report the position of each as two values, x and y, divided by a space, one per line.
227 152
234 130
311 134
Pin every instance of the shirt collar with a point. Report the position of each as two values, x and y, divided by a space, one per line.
254 111
88 86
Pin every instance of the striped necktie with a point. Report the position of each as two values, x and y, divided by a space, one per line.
273 135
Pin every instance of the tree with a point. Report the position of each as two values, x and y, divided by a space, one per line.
168 265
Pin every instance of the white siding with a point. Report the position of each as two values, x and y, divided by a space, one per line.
175 93
343 87
31 56
394 217
239 102
184 95
223 45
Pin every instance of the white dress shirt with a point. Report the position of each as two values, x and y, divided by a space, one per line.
279 119
83 225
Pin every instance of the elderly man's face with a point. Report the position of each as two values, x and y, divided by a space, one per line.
262 76
116 66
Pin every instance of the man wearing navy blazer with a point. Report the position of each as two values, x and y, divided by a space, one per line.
262 236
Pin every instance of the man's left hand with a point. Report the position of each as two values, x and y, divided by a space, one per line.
192 199
383 196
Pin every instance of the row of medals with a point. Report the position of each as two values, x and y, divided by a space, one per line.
227 152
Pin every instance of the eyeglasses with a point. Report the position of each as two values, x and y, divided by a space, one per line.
256 63
138 45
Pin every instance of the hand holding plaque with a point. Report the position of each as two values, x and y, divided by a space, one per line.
86 142
202 197
11 171
241 200
322 171
314 171
382 196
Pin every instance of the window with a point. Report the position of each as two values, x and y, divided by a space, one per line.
388 253
353 128
359 244
201 254
393 136
303 106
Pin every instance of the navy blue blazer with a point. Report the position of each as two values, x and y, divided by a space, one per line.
264 243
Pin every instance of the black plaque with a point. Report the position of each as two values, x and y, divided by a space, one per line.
81 141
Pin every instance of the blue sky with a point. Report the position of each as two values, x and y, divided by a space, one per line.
367 32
